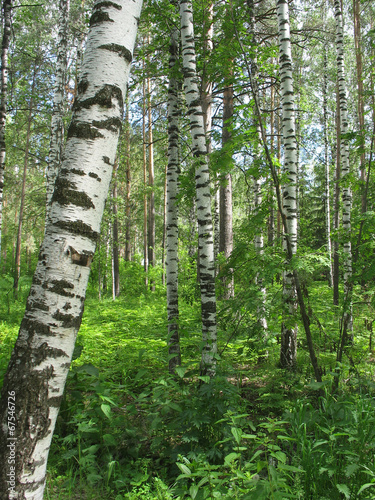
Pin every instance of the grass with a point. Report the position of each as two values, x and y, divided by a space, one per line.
127 430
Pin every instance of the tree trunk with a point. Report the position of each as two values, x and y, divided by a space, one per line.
151 206
128 183
327 173
173 169
288 352
345 170
115 239
42 355
17 265
203 194
7 7
361 108
145 203
57 125
226 211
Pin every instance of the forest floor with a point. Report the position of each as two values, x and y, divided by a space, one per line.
129 430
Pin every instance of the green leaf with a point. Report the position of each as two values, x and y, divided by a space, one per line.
231 457
193 490
237 433
89 369
343 489
184 469
180 371
106 409
364 487
204 378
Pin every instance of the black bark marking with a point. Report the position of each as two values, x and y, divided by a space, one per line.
95 176
66 194
119 49
107 3
68 320
59 287
103 97
100 17
83 131
112 124
78 227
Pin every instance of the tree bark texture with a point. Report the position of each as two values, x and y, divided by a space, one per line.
345 167
115 238
57 125
203 194
7 8
327 172
128 183
17 260
288 352
42 355
173 169
151 176
226 206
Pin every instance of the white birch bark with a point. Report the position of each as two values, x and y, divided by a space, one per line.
41 358
203 194
57 125
288 350
345 168
173 168
327 173
258 180
7 7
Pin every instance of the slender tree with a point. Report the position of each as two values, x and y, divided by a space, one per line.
17 266
345 170
173 168
7 8
203 194
288 350
41 358
57 125
115 237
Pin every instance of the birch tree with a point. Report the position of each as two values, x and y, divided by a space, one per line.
347 319
288 350
57 125
345 168
42 355
7 6
173 168
203 194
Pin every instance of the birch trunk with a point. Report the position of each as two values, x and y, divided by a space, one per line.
145 203
57 125
115 239
151 175
345 168
203 194
42 355
258 180
128 183
226 208
327 173
173 169
17 260
288 352
7 7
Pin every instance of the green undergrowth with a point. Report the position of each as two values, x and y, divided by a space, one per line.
129 430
